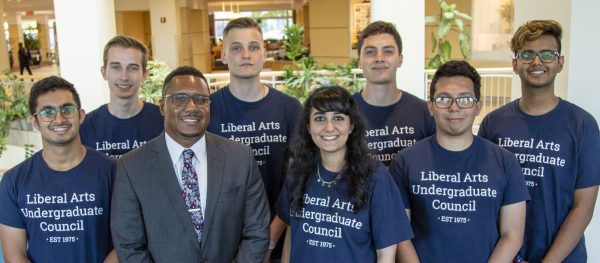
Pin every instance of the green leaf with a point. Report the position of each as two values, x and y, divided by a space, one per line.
443 29
430 19
445 51
464 16
463 36
433 42
448 15
465 48
459 23
434 62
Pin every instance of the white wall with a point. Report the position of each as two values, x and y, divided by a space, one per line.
83 27
165 36
409 18
583 86
132 5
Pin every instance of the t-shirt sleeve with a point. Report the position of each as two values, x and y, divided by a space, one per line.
516 189
389 222
283 204
430 124
9 209
400 177
588 154
483 128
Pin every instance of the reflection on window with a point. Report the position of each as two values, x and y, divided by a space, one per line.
492 29
271 22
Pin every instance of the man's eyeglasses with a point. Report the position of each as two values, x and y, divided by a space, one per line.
546 56
49 114
461 102
181 99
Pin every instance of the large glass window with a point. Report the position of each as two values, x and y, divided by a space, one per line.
271 22
492 29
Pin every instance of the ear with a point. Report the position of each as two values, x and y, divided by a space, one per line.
145 76
430 107
514 66
103 72
34 122
477 108
561 62
401 60
81 116
162 107
224 56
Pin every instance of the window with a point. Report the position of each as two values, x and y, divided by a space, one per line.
272 23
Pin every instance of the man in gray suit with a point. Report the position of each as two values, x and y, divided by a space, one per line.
188 195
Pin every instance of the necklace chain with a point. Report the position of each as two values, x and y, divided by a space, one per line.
330 183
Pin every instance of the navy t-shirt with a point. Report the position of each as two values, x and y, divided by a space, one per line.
395 127
326 229
114 136
455 197
559 153
265 125
65 214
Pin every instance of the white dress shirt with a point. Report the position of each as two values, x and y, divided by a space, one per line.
199 162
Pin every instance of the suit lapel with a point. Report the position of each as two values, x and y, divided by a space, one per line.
163 168
216 169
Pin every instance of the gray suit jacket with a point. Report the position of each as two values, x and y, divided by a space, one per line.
150 221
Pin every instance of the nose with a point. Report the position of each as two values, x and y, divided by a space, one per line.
245 53
123 74
536 59
328 125
190 105
379 56
454 106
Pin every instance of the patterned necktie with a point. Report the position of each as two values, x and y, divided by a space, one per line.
191 193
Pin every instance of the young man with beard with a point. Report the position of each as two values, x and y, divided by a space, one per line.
465 196
395 119
54 206
250 112
125 122
557 145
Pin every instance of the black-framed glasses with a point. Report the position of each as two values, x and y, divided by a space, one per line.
49 114
546 56
461 102
182 99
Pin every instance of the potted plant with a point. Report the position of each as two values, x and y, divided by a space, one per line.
448 16
151 89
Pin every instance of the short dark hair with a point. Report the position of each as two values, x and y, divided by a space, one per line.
379 27
51 84
127 42
242 22
185 71
533 30
455 68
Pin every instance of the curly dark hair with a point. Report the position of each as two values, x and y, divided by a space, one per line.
456 68
51 84
306 156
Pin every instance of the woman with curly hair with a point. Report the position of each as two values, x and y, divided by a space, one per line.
340 205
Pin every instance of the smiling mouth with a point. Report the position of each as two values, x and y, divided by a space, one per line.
59 129
123 86
329 137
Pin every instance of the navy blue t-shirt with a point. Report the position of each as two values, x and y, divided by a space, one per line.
65 214
455 197
559 153
265 125
327 229
395 127
113 136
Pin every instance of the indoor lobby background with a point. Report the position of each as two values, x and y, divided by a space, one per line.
72 34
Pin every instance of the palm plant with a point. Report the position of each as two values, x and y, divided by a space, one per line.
448 16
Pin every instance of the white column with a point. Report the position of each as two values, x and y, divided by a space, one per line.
83 27
409 18
164 21
558 10
4 62
583 87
